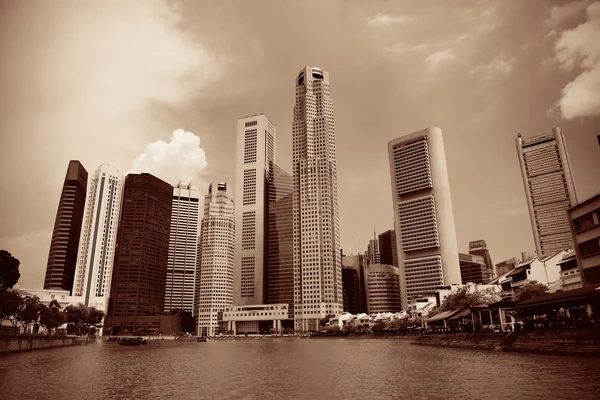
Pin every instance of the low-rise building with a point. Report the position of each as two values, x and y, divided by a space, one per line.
569 272
585 229
420 307
260 318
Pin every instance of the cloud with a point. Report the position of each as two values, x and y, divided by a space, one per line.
578 48
387 20
439 58
494 70
402 48
182 159
564 13
32 250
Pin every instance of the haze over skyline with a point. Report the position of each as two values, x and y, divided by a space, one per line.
158 86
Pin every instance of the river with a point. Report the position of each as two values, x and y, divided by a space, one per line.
292 369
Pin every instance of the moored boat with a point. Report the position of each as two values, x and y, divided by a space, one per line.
132 341
202 339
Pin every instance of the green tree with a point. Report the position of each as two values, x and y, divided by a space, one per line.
333 329
530 289
378 327
350 328
323 321
51 317
80 317
10 304
463 299
9 270
29 311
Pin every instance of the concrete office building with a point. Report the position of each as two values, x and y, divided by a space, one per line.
479 248
99 237
183 249
388 249
424 220
255 157
353 267
137 289
585 225
217 259
473 269
62 258
317 263
549 190
382 287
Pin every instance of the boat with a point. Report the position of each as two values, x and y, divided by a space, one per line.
132 341
201 339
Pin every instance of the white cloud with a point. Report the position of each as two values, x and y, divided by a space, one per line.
182 159
403 48
561 14
439 58
386 20
32 250
578 48
494 70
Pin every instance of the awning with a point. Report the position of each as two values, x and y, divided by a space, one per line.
442 316
460 315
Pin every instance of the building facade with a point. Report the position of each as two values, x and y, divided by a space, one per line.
473 269
382 286
424 220
584 219
183 249
549 190
479 248
217 262
99 237
255 157
373 255
388 249
260 318
279 278
317 263
506 266
140 267
357 263
351 290
62 258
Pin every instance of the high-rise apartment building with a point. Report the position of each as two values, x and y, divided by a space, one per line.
62 258
183 249
388 249
141 259
549 190
279 278
479 248
424 220
373 256
217 241
382 288
317 263
98 237
255 156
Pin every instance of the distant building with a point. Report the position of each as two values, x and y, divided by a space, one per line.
217 259
424 219
506 266
382 287
62 258
183 249
351 290
257 318
549 190
479 248
388 248
372 254
585 229
357 263
279 277
473 269
99 237
140 268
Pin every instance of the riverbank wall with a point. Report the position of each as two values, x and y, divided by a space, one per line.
560 342
28 343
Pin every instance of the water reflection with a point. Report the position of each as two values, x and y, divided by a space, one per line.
292 369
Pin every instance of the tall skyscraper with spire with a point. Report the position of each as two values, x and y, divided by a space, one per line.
316 237
98 237
373 255
549 190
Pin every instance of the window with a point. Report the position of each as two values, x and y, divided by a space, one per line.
251 123
589 248
584 222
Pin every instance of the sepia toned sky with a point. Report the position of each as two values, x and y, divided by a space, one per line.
157 86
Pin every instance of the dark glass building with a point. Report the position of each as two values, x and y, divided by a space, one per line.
62 259
140 267
357 263
279 274
351 290
388 251
479 248
473 269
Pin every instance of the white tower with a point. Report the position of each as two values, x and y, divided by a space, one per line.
317 258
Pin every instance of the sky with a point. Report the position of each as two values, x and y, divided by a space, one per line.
157 86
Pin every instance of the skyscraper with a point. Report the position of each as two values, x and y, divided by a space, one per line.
217 261
373 256
62 258
382 289
424 221
140 267
479 248
317 259
549 190
255 157
357 263
98 237
387 248
279 276
183 249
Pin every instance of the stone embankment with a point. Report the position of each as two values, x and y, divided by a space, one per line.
15 344
561 342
